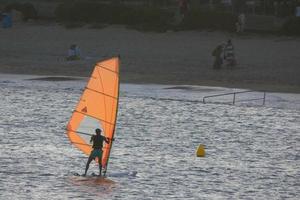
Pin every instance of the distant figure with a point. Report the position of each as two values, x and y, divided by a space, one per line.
275 5
73 52
97 140
183 7
7 19
240 24
297 11
229 56
217 53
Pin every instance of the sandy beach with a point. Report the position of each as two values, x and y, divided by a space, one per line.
265 62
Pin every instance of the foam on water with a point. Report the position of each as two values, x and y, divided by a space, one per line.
252 150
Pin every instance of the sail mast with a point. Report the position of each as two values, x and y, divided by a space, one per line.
116 114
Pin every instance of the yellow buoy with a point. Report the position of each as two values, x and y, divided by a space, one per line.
200 151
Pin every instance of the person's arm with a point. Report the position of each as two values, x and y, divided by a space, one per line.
92 138
106 140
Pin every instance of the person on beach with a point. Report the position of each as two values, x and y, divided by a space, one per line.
240 24
73 52
229 56
183 7
6 18
97 151
217 53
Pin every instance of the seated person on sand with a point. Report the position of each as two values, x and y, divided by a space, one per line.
73 52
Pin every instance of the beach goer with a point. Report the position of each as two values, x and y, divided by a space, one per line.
7 19
229 56
240 25
183 7
97 151
73 52
217 53
242 21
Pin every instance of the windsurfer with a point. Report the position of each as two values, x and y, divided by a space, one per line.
97 140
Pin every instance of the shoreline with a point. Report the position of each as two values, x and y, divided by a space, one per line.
249 86
173 58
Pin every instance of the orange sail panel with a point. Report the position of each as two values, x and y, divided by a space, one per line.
97 108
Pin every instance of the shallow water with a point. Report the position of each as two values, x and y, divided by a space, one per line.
252 150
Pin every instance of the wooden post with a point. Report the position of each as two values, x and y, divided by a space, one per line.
264 101
233 99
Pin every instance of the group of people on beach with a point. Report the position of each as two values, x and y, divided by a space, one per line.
224 53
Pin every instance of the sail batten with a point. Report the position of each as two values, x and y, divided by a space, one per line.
97 108
106 69
101 93
94 117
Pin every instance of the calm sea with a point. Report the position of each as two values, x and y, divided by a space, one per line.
252 151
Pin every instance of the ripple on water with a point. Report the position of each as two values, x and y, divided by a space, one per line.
251 152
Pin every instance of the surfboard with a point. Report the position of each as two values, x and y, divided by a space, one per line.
90 180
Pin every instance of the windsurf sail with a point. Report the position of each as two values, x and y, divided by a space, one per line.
97 108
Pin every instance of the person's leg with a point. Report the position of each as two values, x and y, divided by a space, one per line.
100 165
100 162
88 164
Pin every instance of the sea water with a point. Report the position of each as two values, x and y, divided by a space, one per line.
252 150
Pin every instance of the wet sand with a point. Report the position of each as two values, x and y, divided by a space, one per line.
269 63
54 78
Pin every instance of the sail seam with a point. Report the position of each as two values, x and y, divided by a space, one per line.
97 65
94 117
101 93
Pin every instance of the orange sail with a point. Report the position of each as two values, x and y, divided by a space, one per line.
97 108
